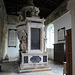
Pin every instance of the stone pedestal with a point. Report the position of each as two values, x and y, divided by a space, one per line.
31 61
71 7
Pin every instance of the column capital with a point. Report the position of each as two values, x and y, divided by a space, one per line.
71 5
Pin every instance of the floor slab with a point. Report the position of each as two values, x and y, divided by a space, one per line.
11 68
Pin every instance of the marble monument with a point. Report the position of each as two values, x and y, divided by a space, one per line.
31 34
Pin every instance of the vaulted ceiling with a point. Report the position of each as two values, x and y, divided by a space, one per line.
46 6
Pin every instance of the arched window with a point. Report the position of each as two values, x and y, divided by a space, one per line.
50 36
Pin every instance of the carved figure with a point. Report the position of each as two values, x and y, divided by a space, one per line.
45 43
20 18
24 44
23 41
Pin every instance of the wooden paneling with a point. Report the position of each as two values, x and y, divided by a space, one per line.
69 52
59 52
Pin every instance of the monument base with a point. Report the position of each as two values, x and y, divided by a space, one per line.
34 62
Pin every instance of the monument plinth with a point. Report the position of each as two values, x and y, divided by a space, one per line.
33 55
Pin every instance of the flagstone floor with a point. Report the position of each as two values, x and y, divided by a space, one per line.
11 68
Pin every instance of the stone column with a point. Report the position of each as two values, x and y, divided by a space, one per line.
2 29
0 35
71 8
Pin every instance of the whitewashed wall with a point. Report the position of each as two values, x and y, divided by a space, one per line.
50 53
63 21
12 52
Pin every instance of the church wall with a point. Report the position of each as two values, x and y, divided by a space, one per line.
63 21
50 53
12 52
12 19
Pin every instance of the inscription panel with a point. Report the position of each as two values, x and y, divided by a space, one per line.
35 38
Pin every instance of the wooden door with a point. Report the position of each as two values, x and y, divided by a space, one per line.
69 52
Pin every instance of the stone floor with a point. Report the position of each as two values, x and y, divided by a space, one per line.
11 68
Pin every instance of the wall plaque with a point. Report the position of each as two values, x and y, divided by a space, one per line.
12 38
61 34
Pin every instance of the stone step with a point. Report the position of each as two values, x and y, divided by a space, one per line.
34 70
33 67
